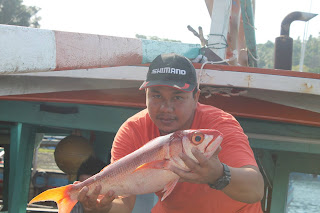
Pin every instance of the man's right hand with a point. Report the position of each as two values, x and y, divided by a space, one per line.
95 202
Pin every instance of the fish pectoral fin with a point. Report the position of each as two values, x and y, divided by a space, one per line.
158 164
169 188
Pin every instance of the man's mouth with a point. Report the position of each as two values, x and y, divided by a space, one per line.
166 120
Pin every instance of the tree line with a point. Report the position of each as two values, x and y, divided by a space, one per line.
14 12
311 59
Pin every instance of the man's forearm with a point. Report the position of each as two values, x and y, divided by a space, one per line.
118 205
124 205
246 184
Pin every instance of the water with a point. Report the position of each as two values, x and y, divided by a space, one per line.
306 194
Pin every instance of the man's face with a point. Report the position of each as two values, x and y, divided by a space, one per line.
171 109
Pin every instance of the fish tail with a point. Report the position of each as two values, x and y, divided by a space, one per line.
60 195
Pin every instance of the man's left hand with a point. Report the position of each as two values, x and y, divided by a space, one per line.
204 171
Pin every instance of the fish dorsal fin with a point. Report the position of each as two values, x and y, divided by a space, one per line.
169 188
158 164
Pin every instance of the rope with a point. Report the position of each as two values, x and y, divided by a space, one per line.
223 45
213 62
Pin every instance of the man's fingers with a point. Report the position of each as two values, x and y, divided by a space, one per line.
83 193
96 190
107 199
92 198
94 201
184 175
89 201
191 164
203 161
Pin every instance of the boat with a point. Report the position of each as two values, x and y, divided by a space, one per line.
91 84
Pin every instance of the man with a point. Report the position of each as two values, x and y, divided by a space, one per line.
229 181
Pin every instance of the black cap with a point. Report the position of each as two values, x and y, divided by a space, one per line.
171 70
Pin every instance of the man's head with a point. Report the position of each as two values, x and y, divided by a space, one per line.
171 92
171 70
90 167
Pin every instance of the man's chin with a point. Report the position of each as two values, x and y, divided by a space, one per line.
165 131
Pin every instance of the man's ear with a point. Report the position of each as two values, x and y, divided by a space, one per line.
197 95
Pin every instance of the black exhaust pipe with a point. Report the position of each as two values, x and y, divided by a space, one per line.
284 43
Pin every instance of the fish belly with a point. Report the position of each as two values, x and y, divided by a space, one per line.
142 182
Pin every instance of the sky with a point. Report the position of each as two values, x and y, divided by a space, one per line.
165 18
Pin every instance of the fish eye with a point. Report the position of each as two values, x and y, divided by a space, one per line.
197 138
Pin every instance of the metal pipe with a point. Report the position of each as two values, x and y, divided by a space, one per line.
284 43
294 16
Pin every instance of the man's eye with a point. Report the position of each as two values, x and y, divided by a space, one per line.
178 97
157 96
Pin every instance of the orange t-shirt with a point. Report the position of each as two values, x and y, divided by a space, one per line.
189 197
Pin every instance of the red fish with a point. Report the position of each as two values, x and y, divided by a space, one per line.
145 170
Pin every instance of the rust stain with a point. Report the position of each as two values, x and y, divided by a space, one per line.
307 87
249 79
208 77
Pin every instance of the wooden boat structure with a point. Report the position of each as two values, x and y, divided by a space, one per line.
53 82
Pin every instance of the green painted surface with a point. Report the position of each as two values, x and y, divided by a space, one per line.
6 147
21 154
301 162
287 162
102 145
15 134
285 146
280 186
100 118
152 48
53 131
266 165
6 177
279 128
249 30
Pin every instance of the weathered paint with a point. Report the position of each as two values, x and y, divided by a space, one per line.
21 153
219 29
132 97
152 49
298 100
72 80
259 81
26 49
33 50
79 50
233 34
249 29
258 109
236 50
132 76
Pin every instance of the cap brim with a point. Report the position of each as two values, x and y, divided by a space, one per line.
185 88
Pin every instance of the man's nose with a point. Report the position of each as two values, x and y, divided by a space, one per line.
166 106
